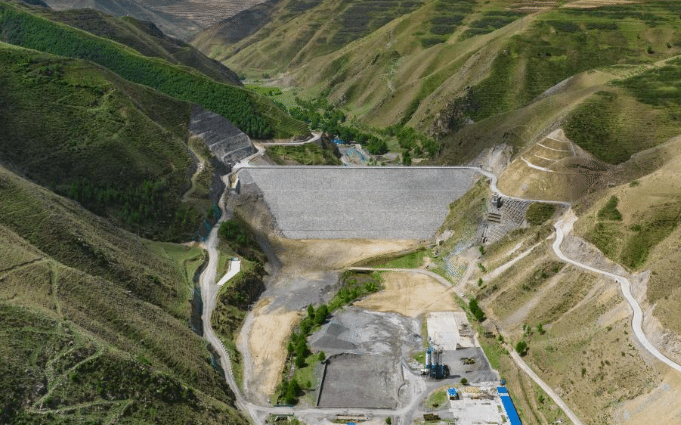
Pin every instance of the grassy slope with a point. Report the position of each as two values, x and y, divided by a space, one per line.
96 323
116 147
249 111
144 37
308 154
581 319
404 76
648 234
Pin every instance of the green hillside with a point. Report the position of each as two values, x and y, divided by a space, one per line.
247 110
96 321
439 66
144 37
116 147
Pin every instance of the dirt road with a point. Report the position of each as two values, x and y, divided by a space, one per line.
564 226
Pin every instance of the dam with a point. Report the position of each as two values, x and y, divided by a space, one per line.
329 202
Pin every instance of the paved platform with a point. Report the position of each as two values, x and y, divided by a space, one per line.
359 202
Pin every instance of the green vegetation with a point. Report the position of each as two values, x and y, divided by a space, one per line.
412 260
355 285
476 310
658 86
319 114
521 347
491 21
248 111
122 152
99 319
450 15
464 381
436 399
237 234
541 273
307 154
657 227
144 37
610 211
539 212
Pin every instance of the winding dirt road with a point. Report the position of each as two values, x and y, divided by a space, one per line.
564 226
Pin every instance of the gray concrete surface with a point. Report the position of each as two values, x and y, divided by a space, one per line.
360 331
361 381
353 202
480 371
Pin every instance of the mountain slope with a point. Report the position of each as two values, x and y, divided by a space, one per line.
119 148
144 37
179 18
96 321
249 111
441 66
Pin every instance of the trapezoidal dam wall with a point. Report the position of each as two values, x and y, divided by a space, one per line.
359 202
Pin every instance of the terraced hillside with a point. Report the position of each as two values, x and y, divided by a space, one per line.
145 37
440 66
96 320
179 18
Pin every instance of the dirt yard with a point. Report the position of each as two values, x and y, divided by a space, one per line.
410 294
326 254
267 343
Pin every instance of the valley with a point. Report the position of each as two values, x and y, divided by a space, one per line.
321 212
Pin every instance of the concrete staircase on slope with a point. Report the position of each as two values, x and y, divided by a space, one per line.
229 144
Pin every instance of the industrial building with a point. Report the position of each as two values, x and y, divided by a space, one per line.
508 406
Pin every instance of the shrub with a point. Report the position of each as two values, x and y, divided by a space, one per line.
539 212
610 211
521 347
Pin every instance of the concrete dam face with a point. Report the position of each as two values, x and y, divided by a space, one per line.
359 202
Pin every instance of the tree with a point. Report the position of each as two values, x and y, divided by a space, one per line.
540 329
464 381
521 347
540 399
406 159
310 311
322 356
476 310
388 420
320 315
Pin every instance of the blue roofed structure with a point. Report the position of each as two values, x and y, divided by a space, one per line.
512 414
452 394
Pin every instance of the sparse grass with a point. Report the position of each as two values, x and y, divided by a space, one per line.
437 399
538 213
410 261
307 154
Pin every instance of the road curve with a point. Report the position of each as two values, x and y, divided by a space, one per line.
637 320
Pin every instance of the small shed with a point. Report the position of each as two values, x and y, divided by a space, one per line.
453 394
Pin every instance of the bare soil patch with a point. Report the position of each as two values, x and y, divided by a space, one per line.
267 343
410 294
